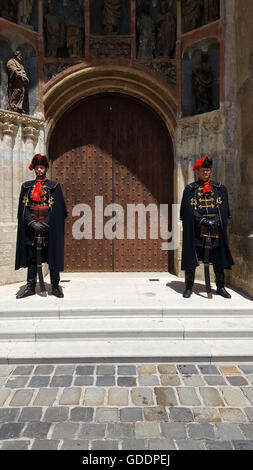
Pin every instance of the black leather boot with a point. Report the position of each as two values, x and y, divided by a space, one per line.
55 279
220 283
31 283
189 281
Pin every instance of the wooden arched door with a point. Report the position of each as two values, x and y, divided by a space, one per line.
114 149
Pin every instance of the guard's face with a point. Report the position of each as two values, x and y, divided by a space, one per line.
40 171
204 173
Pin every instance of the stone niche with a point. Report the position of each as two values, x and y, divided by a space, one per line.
9 11
120 26
191 63
196 13
29 61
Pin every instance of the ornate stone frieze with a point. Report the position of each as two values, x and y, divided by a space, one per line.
166 69
113 47
11 121
51 70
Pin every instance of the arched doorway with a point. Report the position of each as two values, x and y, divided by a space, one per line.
117 147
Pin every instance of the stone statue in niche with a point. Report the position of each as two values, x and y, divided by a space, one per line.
24 11
146 31
111 16
165 32
191 12
74 33
211 10
202 81
8 10
17 83
52 32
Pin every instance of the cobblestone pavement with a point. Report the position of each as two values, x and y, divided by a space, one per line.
126 406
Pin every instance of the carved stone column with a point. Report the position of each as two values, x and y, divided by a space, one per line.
9 131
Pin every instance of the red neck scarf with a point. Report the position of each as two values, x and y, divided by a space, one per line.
207 188
38 191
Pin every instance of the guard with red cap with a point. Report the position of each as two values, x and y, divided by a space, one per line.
41 219
204 212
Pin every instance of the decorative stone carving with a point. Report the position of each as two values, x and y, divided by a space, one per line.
146 32
190 129
17 83
191 12
111 16
202 81
211 10
167 69
30 131
24 11
8 10
165 32
53 32
109 48
74 33
51 70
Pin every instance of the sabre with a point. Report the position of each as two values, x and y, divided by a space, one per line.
206 261
39 265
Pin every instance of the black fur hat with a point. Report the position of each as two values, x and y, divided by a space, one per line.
38 159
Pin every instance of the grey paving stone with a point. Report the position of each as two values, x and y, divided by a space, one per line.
31 413
142 396
104 445
183 444
206 415
174 430
209 370
248 392
4 395
180 414
249 413
211 396
126 370
105 380
94 396
155 413
15 445
247 430
229 431
215 380
242 445
192 380
11 430
234 396
85 370
161 444
2 381
218 445
126 381
165 396
171 380
188 396
131 414
118 396
147 430
145 380
105 370
75 445
46 396
56 414
39 381
18 381
45 444
61 381
120 431
187 369
236 380
201 431
107 415
92 431
80 413
9 415
133 444
65 431
246 368
70 396
21 398
44 370
23 370
82 380
37 430
65 370
5 370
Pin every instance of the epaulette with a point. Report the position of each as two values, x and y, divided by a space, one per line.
49 184
217 184
193 185
29 184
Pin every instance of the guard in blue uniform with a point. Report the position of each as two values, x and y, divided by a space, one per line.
205 209
41 211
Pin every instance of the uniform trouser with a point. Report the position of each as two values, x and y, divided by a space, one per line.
32 267
218 271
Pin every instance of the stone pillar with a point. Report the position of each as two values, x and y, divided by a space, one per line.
9 132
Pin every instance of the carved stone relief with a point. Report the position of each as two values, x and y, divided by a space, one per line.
202 81
166 69
17 83
165 32
113 47
111 16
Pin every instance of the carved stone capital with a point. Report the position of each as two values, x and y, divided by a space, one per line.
8 128
30 131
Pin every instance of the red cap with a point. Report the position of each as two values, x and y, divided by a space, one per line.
200 162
